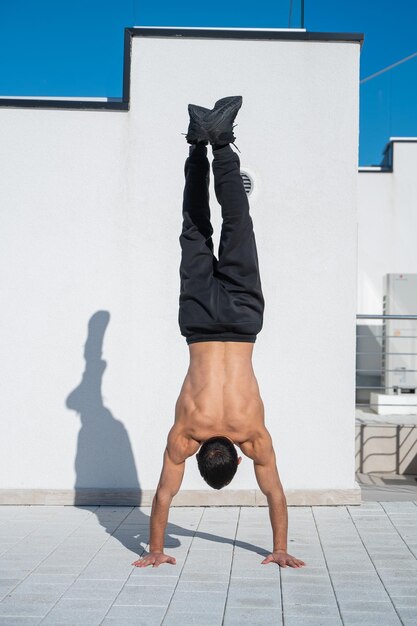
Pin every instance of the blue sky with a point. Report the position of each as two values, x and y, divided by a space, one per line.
51 48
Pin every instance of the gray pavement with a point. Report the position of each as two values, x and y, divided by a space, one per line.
72 565
385 487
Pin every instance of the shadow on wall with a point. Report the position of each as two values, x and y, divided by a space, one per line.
386 448
104 454
104 457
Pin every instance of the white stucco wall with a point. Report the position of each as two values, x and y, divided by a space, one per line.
90 220
387 225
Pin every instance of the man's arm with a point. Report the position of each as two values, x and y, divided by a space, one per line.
269 482
266 473
169 484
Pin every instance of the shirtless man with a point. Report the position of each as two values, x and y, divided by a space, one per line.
220 314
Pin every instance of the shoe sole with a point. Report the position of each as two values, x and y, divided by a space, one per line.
204 130
230 105
196 112
226 100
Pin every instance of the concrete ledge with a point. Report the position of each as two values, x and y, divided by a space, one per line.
197 497
387 404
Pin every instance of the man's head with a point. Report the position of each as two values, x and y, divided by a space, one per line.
217 461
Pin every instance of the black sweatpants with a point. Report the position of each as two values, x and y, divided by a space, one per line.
220 298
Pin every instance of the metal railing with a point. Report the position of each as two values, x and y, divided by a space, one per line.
386 361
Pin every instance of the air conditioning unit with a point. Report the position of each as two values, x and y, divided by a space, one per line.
399 337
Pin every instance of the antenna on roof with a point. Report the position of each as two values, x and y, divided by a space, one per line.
389 67
301 14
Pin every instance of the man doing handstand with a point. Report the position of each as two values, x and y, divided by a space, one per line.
221 308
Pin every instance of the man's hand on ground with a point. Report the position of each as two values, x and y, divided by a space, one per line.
283 559
154 559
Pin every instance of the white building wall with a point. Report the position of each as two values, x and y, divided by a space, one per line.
387 225
90 220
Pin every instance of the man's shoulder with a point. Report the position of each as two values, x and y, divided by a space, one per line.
258 446
180 445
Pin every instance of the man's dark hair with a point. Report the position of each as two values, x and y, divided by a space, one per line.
217 461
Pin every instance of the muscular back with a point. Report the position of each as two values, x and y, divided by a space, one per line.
219 396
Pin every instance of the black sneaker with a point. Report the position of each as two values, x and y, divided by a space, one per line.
196 130
218 123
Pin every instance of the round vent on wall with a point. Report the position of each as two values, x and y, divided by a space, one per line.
247 182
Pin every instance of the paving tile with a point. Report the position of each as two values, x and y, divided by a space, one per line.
364 618
405 602
196 618
352 567
99 573
397 573
32 607
222 539
188 601
212 558
252 617
6 584
212 576
206 544
42 593
288 573
74 617
13 572
59 579
311 584
135 615
406 588
94 589
315 620
367 606
355 577
407 614
58 569
144 595
349 562
202 586
88 602
82 611
33 585
408 564
197 567
365 594
146 573
247 592
19 621
299 595
246 554
267 572
302 610
152 581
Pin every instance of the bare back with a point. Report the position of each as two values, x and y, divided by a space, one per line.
219 396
